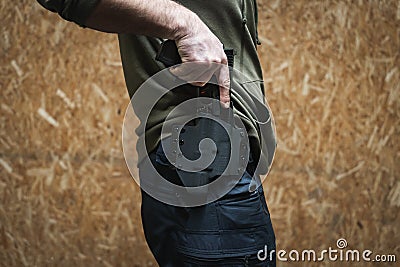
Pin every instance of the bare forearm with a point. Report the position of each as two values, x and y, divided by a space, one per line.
165 19
157 18
160 18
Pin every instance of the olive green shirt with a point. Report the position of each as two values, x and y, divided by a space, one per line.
234 22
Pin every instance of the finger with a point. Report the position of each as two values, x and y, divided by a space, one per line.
198 84
224 86
198 73
182 70
203 79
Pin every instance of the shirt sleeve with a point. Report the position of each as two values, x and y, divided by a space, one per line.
72 10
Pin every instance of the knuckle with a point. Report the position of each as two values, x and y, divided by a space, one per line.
224 59
195 58
200 84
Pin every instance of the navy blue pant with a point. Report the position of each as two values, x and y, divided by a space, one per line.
227 232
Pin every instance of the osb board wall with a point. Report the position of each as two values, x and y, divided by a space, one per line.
332 78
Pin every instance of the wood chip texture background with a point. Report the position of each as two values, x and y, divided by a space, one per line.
332 79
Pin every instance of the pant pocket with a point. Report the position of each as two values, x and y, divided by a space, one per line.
241 211
241 261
